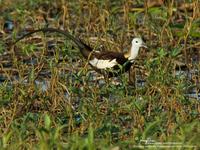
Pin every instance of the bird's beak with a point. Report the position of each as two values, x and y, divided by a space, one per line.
144 45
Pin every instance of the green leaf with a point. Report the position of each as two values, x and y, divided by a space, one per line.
6 138
2 47
151 128
175 52
47 121
161 52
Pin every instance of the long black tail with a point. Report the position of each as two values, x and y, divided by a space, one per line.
84 48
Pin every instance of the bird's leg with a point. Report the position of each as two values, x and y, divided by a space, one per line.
106 78
131 76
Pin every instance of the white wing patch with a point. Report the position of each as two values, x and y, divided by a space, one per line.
103 64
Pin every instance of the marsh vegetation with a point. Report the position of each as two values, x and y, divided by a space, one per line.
50 98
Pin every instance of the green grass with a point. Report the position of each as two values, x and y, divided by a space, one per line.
75 112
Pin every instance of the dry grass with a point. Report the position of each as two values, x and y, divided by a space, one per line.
50 98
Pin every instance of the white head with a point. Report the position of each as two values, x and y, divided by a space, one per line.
136 44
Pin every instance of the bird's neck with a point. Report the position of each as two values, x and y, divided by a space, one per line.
132 53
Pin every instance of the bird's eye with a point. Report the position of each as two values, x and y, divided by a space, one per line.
136 41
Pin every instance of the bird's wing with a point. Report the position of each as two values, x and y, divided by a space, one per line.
107 59
120 59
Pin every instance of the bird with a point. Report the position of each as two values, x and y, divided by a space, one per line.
106 62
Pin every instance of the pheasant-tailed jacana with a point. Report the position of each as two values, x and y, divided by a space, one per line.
111 62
